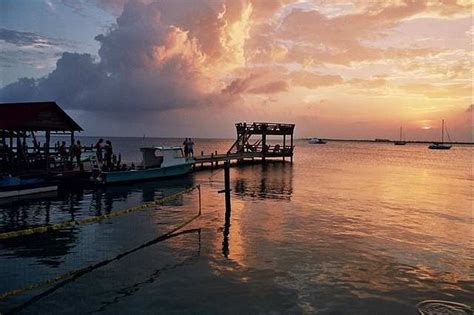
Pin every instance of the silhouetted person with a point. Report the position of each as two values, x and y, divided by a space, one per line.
62 150
77 151
191 147
108 153
186 147
99 150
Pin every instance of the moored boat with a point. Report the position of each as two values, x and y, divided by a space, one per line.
158 162
14 186
401 141
441 145
316 141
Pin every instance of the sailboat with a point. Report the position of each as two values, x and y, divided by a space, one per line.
441 145
400 142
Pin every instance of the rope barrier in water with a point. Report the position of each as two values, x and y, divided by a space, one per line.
78 272
94 219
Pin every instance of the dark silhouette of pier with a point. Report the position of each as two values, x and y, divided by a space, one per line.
252 145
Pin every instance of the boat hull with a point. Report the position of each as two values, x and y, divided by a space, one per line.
19 191
317 142
400 143
144 174
439 147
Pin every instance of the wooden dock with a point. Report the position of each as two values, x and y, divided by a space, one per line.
251 145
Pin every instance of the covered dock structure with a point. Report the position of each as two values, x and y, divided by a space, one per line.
253 144
22 126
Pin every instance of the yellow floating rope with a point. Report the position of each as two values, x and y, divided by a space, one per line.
62 225
79 272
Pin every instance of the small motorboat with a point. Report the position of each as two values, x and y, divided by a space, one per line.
316 141
158 162
441 145
17 186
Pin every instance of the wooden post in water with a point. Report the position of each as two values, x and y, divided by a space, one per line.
46 149
291 148
227 186
264 142
284 147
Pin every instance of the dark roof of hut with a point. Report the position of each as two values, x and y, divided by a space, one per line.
35 116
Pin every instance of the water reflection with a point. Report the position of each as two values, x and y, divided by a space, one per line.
73 204
269 181
47 248
127 291
124 292
226 230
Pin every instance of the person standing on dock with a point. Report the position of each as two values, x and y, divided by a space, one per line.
99 150
77 151
108 153
186 147
191 147
62 150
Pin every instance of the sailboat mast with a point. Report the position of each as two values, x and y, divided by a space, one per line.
400 133
442 132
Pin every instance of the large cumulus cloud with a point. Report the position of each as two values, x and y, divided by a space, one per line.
159 55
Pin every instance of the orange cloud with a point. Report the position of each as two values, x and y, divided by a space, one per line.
313 80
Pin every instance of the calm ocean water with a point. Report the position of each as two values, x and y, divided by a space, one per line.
349 228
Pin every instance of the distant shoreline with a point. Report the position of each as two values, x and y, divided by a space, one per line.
389 141
301 139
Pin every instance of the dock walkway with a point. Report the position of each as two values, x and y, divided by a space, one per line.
213 160
247 149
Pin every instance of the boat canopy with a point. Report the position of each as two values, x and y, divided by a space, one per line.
164 156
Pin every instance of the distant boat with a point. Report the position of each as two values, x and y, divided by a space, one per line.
441 145
158 162
400 142
316 141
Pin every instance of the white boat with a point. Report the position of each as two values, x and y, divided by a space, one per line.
158 162
441 145
316 141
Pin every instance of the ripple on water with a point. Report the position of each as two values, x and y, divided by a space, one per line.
438 307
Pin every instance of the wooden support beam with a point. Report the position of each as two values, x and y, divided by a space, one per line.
291 149
46 149
264 142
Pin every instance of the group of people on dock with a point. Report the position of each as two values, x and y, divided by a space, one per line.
188 145
105 152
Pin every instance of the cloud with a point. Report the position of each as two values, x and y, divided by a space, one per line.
270 88
31 50
27 39
313 80
370 83
155 58
255 83
202 56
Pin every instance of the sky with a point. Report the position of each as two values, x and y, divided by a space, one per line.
336 68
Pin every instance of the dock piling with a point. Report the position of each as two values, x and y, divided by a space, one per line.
227 186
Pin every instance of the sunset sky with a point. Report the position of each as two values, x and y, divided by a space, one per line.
336 68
